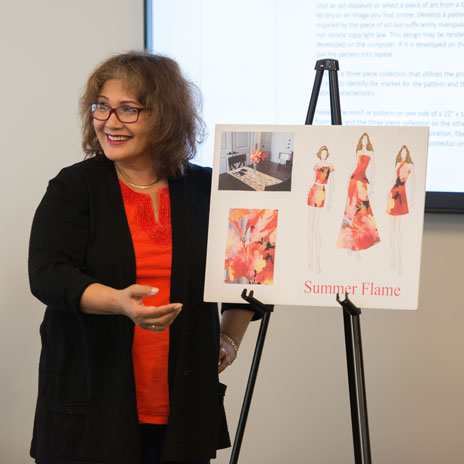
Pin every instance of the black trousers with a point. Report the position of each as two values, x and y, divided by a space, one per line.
151 443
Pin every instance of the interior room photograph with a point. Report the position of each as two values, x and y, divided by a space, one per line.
260 161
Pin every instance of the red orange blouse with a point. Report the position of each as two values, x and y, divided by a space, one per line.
153 252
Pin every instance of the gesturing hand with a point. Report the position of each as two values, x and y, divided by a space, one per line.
147 317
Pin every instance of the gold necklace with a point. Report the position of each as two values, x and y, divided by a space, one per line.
143 187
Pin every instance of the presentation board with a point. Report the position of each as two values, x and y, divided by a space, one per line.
301 213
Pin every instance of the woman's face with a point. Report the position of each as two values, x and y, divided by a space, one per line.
324 154
126 143
365 140
404 153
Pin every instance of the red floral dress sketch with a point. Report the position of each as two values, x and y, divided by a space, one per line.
359 230
250 246
397 204
316 196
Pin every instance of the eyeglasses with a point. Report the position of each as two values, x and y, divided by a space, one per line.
125 114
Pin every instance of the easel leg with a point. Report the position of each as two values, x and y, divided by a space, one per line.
335 110
358 354
356 383
314 95
352 387
249 389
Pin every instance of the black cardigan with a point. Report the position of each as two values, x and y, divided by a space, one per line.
86 408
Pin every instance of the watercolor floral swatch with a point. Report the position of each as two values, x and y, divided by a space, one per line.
250 246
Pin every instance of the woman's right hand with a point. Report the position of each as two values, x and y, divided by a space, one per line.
154 318
101 299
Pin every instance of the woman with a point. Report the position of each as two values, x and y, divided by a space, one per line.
359 230
316 201
130 352
397 204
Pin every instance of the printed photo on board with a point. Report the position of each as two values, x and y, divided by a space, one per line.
256 161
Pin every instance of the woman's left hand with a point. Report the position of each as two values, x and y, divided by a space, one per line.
227 354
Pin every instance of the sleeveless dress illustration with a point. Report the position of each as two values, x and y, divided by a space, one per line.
358 230
316 196
397 204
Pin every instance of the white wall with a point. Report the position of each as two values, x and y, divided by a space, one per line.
281 142
47 50
300 414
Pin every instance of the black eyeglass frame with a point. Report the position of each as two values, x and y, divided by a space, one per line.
93 108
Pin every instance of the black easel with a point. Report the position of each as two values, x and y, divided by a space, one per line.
353 344
350 314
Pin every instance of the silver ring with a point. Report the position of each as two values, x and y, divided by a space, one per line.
153 327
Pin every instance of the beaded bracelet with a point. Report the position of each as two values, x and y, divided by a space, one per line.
234 345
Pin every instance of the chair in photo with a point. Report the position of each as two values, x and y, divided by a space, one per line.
236 161
285 158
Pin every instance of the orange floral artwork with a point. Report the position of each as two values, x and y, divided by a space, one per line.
250 246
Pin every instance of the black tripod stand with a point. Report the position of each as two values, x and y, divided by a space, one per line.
351 314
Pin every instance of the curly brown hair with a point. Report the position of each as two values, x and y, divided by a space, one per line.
173 103
319 152
369 146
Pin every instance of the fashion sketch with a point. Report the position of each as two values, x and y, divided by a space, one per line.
397 204
317 196
359 230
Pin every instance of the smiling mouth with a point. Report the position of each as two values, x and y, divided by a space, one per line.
118 138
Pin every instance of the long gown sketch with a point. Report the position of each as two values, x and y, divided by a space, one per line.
316 202
359 229
397 204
